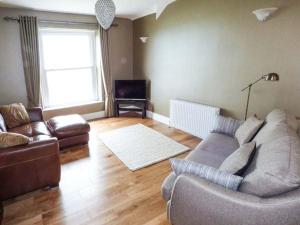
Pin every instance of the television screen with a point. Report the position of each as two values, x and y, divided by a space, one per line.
130 89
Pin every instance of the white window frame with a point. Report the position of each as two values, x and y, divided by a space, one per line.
95 73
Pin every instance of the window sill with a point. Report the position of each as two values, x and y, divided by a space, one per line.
72 106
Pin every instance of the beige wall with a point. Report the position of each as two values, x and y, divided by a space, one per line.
12 83
208 50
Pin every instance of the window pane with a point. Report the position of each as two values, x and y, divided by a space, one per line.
69 87
66 50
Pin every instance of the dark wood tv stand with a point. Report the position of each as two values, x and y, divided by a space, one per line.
131 105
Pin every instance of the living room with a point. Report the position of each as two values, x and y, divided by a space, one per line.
156 112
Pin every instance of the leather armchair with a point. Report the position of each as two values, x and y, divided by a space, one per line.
37 165
30 167
33 166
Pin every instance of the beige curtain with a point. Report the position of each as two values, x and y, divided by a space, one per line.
106 75
30 55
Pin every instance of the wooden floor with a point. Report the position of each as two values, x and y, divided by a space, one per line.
97 188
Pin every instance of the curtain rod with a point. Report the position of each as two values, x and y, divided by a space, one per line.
7 18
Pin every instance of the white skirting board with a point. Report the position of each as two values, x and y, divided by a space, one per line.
158 117
151 115
93 116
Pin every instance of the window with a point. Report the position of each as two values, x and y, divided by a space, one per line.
69 68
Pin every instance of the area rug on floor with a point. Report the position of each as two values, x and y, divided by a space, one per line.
138 146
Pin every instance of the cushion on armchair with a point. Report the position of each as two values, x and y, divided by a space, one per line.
8 139
211 174
226 125
14 115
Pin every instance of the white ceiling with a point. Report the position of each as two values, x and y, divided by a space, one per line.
131 9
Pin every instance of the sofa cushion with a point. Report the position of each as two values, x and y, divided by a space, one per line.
248 129
214 150
272 131
14 115
208 173
281 116
2 124
226 125
239 160
275 168
12 139
32 129
211 152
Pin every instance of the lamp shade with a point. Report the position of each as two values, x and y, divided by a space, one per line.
105 12
271 77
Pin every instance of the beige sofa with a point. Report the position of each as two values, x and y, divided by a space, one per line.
268 195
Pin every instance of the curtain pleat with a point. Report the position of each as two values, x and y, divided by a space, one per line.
106 75
30 55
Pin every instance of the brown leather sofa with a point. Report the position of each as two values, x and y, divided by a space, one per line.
32 166
37 165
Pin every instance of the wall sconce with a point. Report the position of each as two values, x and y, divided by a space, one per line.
144 39
264 14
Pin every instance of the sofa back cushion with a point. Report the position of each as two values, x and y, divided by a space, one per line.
14 115
281 116
275 168
2 124
271 130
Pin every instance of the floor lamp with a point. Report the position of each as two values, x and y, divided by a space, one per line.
268 77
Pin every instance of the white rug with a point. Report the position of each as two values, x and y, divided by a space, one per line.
138 146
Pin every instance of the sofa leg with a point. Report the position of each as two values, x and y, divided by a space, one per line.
1 212
50 187
53 186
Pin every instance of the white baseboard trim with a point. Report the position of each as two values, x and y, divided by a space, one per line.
93 116
151 115
158 117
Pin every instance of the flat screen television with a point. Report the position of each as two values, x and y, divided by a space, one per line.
130 89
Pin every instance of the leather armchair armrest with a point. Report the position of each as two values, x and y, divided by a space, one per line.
35 149
35 114
196 201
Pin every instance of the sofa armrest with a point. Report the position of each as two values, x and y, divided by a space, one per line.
34 150
198 202
35 114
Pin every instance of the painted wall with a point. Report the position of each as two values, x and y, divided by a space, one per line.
208 50
12 83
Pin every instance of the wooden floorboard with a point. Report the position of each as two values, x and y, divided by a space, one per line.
97 188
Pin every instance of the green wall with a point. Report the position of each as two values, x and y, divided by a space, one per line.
207 50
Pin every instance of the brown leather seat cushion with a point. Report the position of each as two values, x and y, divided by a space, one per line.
32 129
68 126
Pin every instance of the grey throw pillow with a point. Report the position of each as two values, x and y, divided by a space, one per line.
226 125
211 174
248 129
239 160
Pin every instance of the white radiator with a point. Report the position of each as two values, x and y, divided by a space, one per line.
193 118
